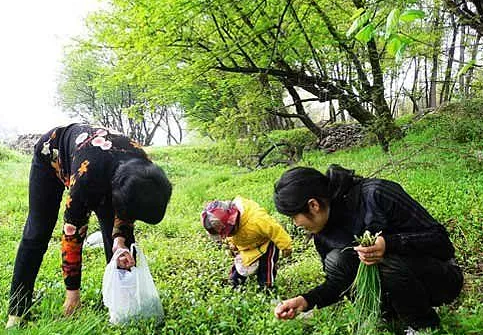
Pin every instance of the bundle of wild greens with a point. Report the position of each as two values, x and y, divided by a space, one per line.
367 291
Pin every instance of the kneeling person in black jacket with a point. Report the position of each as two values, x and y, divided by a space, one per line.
414 254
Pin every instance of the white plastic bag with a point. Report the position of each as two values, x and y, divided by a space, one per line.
94 240
130 294
245 270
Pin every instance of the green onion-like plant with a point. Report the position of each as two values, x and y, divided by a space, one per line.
366 290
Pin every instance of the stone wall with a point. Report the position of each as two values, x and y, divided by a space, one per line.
342 136
339 137
25 143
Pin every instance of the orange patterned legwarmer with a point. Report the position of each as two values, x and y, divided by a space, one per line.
72 240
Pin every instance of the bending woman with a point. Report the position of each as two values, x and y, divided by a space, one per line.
105 172
414 254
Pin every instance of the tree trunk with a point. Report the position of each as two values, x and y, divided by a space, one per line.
463 40
414 89
304 118
434 68
333 117
469 75
445 91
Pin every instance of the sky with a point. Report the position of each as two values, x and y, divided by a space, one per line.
32 36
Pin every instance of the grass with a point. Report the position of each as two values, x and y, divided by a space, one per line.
443 174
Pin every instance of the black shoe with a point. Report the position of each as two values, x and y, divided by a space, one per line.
430 320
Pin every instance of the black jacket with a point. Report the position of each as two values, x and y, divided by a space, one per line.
379 205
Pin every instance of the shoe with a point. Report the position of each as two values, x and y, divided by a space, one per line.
13 322
410 331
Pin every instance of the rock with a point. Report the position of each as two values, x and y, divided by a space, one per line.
25 143
341 137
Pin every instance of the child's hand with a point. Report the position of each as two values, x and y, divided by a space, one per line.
286 252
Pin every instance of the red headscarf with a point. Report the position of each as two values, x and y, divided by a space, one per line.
219 217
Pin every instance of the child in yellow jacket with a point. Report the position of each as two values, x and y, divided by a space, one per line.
255 237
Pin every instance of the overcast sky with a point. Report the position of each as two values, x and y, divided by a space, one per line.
32 36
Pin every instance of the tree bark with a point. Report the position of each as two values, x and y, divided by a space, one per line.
469 75
472 17
434 67
462 50
304 118
445 90
414 89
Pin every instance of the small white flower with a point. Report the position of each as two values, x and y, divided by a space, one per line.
55 153
81 138
106 145
46 149
98 141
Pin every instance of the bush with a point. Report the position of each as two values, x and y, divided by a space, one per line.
242 152
299 137
463 121
7 154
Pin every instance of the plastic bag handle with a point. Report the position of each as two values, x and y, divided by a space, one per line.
140 258
118 253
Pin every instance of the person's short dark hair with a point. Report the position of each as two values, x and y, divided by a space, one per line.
296 186
140 191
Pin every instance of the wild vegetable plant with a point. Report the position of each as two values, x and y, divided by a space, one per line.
367 291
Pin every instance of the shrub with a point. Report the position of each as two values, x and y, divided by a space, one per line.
463 121
7 154
242 152
299 137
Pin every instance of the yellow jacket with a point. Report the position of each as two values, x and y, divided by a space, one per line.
257 228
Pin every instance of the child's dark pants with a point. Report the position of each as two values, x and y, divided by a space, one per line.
266 272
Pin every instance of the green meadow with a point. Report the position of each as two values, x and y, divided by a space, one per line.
439 162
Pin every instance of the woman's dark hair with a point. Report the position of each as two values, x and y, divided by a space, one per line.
140 191
296 186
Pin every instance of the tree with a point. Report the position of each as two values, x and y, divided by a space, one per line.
285 44
88 90
469 12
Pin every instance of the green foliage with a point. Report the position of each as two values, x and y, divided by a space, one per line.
365 34
94 87
365 27
242 152
411 14
223 105
463 121
299 137
8 155
392 22
359 22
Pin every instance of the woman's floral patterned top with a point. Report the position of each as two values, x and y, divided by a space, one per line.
84 159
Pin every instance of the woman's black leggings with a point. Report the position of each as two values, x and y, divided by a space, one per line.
45 195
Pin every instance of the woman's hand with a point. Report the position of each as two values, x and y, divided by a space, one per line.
288 309
125 260
374 254
72 301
